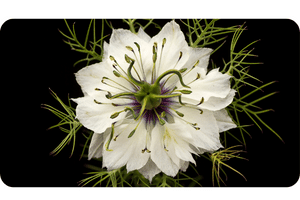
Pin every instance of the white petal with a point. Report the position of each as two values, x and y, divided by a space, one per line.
127 150
223 120
175 42
96 146
159 155
201 54
91 77
184 166
207 138
149 170
96 117
141 33
137 158
119 40
180 139
217 103
214 84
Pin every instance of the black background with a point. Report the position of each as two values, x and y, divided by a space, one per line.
34 59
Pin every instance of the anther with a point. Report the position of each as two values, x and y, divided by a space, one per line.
164 42
154 47
196 63
97 89
179 114
185 91
147 150
131 133
137 45
163 114
165 148
182 70
161 121
201 101
112 58
116 114
116 73
180 55
115 138
98 102
201 111
129 48
108 95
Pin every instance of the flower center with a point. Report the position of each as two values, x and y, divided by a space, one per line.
147 95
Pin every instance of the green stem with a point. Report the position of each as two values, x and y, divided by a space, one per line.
131 25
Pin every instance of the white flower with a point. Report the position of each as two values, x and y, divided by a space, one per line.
151 102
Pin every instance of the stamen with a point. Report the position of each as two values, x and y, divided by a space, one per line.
180 56
147 150
197 78
177 112
108 96
113 59
132 132
129 48
141 66
201 111
115 138
116 114
98 102
165 148
105 78
201 101
116 73
184 91
166 134
161 121
161 52
182 70
181 117
163 114
119 74
197 62
154 58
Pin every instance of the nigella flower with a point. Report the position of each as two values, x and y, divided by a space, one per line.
151 102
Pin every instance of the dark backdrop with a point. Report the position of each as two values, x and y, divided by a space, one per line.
34 59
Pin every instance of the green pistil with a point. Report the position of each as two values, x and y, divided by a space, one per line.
171 71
